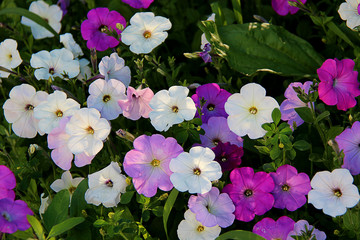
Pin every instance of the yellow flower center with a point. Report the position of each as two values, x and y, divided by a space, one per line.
337 193
253 110
29 107
248 192
211 107
200 228
197 171
72 189
106 98
285 188
90 130
59 113
155 163
175 109
147 34
109 183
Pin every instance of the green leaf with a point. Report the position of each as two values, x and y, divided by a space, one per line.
167 208
126 197
78 202
302 145
334 28
57 211
197 121
28 234
36 225
100 222
181 135
237 10
263 149
253 47
239 235
322 116
315 157
65 226
352 220
32 16
276 116
145 215
158 211
275 152
333 132
305 114
268 127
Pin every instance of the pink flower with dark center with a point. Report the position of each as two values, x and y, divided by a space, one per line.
271 230
282 7
228 155
338 83
95 29
138 3
7 183
250 193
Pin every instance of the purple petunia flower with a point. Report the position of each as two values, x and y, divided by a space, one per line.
349 141
217 130
63 4
213 208
148 163
269 229
13 215
205 54
7 183
291 102
228 155
214 98
282 7
290 188
138 3
250 193
302 228
95 28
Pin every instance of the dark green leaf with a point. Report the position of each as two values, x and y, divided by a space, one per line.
352 220
57 211
181 135
158 211
78 202
305 114
197 121
322 116
333 132
146 215
65 226
263 149
276 116
302 145
239 235
126 197
267 126
315 157
275 152
167 208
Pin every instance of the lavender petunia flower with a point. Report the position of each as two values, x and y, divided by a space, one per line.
349 141
213 208
205 54
63 4
138 3
302 228
270 230
13 215
148 163
282 7
95 28
228 155
250 193
290 188
214 98
7 183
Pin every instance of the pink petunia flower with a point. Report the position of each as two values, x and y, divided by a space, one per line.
282 7
269 229
339 85
7 183
95 28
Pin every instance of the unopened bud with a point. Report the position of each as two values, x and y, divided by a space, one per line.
194 86
84 213
281 145
111 214
120 26
93 58
125 134
128 181
32 149
163 196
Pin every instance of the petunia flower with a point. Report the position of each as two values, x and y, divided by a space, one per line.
145 32
19 110
148 163
138 3
350 11
210 98
95 30
290 188
113 67
104 96
57 63
250 192
217 130
282 7
302 228
205 54
349 141
63 4
66 182
338 83
249 109
171 107
69 43
333 192
212 208
9 56
7 183
195 170
191 229
85 71
106 186
45 202
13 215
228 155
51 111
51 14
87 131
271 229
137 103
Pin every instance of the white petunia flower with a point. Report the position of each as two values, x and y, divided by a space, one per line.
104 96
191 229
145 32
87 131
171 107
19 110
195 170
66 182
9 56
248 110
85 70
45 202
113 67
333 192
51 14
69 43
350 11
106 186
51 111
57 63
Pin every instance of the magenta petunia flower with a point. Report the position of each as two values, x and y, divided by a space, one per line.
270 230
338 83
95 28
13 215
282 7
148 163
137 103
349 142
7 183
213 208
250 193
290 188
292 101
228 155
138 3
217 130
210 98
